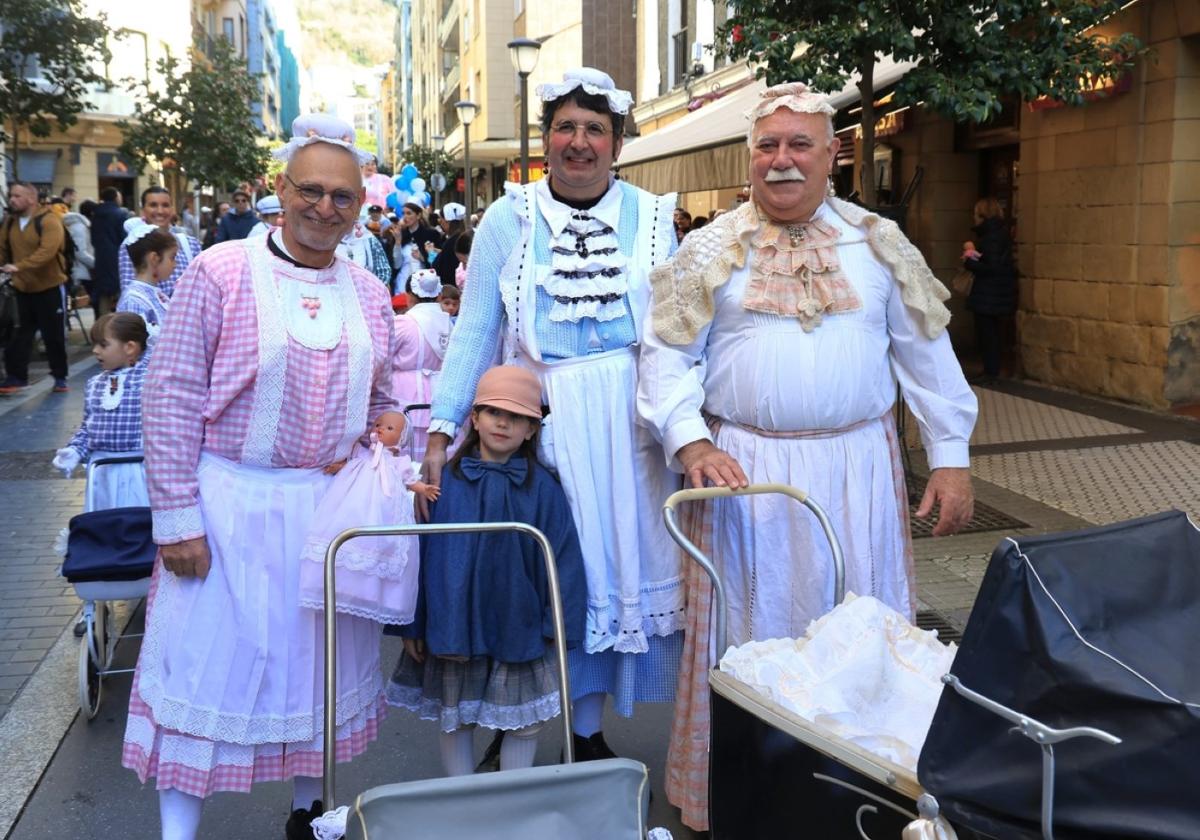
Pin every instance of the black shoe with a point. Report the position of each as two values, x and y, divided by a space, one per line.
299 824
591 748
80 628
491 756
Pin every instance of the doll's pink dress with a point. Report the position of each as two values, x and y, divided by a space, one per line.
376 576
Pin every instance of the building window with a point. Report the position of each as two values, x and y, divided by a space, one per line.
679 46
227 29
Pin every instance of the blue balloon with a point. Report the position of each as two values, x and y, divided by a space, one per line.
401 182
423 198
393 202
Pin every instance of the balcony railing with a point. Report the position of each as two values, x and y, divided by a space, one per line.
448 28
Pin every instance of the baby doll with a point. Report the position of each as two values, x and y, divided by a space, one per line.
969 252
376 576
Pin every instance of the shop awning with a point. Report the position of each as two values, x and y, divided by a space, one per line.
706 150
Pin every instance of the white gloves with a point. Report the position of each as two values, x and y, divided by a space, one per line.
66 459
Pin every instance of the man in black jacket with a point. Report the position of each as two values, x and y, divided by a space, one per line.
238 222
108 232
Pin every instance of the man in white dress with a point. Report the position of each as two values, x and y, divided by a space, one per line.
777 337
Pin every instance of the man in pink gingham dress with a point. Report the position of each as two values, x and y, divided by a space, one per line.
275 360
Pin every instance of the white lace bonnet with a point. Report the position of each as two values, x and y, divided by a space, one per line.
794 96
593 81
137 228
321 128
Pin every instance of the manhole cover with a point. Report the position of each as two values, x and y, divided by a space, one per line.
24 466
930 620
986 518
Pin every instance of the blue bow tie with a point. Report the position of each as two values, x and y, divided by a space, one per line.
515 468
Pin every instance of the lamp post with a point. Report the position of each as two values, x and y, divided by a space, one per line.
438 181
524 55
466 114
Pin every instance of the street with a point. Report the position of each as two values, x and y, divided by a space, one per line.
1044 460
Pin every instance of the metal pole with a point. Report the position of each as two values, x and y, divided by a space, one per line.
524 128
467 202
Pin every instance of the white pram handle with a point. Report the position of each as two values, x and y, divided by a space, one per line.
703 493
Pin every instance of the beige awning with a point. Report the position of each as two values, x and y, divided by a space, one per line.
706 150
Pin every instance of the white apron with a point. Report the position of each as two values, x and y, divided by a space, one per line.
612 469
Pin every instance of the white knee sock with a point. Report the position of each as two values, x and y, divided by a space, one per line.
305 791
180 814
458 751
587 713
519 747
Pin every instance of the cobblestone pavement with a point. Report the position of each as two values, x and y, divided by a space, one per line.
35 502
1046 460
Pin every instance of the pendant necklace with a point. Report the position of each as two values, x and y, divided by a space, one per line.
797 234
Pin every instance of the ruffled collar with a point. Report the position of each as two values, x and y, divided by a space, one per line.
558 215
795 270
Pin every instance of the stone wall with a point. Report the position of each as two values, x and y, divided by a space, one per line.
1109 202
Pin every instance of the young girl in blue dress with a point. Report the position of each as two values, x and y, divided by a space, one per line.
479 651
112 412
152 253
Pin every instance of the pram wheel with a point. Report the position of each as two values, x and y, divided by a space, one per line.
93 658
89 681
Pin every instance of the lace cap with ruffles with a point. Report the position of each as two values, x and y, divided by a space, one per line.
593 81
321 128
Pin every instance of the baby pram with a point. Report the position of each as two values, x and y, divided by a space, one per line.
600 800
110 554
1085 627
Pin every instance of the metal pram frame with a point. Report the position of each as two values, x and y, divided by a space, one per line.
627 777
98 645
884 772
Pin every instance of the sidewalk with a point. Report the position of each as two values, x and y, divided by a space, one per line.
1043 460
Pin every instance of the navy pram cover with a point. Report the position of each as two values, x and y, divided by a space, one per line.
111 544
1090 628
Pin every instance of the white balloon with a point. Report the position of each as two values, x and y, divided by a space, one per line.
417 185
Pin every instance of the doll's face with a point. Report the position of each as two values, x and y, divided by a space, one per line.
389 427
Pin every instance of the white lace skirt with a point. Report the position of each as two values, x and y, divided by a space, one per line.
233 657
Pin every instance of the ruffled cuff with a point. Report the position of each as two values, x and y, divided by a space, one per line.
177 525
952 453
680 435
446 427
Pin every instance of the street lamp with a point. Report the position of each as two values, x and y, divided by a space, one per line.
438 181
466 114
524 55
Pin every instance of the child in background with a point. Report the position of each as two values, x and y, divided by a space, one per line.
449 299
479 651
376 576
112 411
152 254
462 250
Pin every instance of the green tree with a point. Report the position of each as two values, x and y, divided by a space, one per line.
427 161
197 122
968 53
49 51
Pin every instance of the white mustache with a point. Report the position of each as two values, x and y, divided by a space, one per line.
789 174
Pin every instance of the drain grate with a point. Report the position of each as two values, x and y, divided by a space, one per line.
930 620
986 518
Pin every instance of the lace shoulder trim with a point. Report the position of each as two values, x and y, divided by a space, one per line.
920 290
684 285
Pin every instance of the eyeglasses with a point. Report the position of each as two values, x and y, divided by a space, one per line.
342 199
593 130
